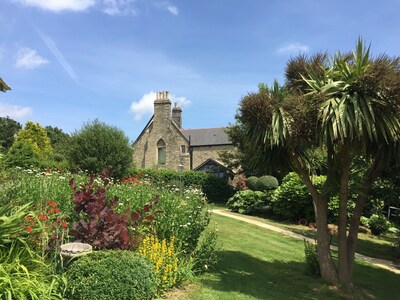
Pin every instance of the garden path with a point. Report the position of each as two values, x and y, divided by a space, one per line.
385 264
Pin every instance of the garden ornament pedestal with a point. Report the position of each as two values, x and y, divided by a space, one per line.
72 250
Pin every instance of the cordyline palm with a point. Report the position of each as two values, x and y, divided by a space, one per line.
348 106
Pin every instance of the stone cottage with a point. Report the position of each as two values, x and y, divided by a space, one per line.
163 143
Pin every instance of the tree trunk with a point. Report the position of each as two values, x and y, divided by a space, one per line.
326 264
343 270
363 192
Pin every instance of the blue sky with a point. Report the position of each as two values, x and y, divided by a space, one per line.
72 61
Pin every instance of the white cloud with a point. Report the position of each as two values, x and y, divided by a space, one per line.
293 48
173 10
119 7
146 104
60 5
60 57
14 111
29 59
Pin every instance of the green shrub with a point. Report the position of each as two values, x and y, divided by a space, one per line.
98 146
252 183
378 224
312 265
21 154
266 183
247 202
215 189
111 275
292 201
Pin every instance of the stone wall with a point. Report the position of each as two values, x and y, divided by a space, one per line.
202 153
146 151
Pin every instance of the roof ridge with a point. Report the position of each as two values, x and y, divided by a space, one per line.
204 128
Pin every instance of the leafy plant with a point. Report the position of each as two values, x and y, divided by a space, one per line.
292 201
100 225
24 275
378 224
312 265
247 202
205 256
10 224
111 274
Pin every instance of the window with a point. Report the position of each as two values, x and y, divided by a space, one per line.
183 148
161 152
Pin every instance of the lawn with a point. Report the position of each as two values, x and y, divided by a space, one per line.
369 245
258 264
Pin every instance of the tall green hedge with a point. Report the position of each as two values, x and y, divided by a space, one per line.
216 189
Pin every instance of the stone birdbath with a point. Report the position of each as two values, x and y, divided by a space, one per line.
72 250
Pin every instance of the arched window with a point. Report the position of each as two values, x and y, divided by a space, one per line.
161 152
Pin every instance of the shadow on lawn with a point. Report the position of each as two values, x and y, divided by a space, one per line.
364 246
242 273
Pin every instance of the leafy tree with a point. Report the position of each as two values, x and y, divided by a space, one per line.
22 154
98 146
9 129
347 107
36 135
56 136
60 142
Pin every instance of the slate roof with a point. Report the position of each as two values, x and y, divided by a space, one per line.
207 136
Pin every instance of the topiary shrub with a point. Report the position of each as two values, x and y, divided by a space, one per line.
112 274
247 202
252 183
266 183
378 224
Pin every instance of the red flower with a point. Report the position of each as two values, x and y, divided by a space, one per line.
29 229
42 217
64 224
51 203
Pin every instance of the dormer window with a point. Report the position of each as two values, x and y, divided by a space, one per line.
161 152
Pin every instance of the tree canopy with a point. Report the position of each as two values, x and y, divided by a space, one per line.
9 129
98 146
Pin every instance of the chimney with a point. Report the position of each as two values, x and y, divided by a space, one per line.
162 108
177 115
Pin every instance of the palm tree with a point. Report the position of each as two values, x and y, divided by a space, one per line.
348 107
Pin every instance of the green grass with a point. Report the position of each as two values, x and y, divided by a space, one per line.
259 264
369 245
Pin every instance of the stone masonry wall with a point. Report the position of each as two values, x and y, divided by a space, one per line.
202 153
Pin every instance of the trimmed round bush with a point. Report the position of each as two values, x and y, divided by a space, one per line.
112 274
266 183
251 183
378 224
247 202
